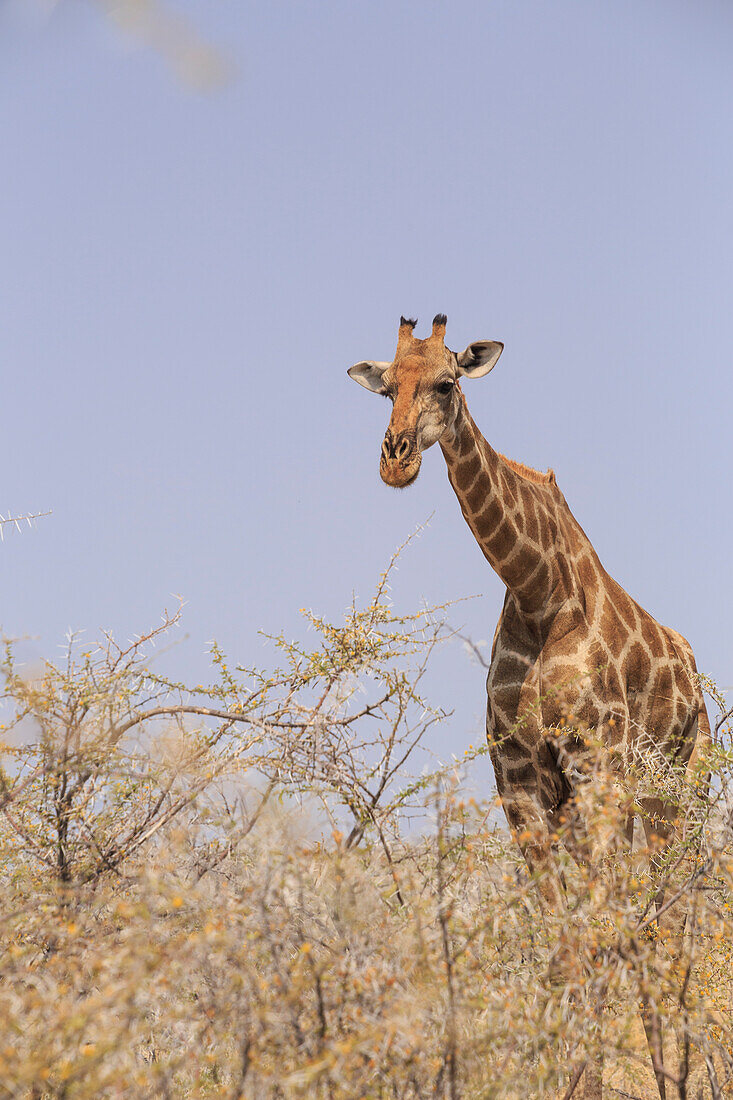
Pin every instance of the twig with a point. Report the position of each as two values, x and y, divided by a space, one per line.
16 521
574 1080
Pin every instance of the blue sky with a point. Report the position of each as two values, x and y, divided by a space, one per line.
187 277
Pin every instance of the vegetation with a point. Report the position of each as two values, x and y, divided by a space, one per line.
212 891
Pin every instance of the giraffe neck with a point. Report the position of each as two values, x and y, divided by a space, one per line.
517 522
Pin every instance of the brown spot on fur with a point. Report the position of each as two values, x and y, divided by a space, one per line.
563 676
529 573
589 579
477 495
487 520
522 774
509 494
653 636
467 445
637 668
501 540
566 644
513 751
590 714
509 669
505 697
544 525
612 680
612 628
625 606
563 574
531 522
663 683
537 581
683 680
467 471
587 572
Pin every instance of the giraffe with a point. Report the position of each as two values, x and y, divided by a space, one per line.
565 623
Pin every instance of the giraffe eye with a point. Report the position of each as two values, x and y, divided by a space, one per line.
444 387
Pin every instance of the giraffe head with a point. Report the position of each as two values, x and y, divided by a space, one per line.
422 383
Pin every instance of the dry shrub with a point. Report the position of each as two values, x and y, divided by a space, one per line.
210 892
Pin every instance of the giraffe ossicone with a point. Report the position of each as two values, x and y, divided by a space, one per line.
569 641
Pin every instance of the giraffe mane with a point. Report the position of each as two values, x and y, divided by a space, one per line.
528 473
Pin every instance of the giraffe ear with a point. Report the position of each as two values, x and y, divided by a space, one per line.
369 375
478 358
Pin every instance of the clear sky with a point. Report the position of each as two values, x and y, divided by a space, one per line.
186 278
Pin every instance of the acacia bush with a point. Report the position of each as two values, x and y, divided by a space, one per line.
210 891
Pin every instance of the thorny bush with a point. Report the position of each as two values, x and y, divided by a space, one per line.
179 921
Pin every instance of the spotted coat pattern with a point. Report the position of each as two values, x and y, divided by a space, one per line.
571 645
573 653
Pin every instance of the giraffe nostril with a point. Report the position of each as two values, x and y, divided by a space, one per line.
386 449
402 448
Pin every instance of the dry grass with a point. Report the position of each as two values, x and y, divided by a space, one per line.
208 893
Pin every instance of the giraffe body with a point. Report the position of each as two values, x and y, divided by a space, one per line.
572 650
570 644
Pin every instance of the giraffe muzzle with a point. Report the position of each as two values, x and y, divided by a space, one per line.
400 460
